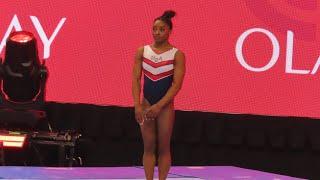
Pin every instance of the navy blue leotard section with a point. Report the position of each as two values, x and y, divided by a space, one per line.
154 90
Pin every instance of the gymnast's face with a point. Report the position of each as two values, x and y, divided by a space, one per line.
160 31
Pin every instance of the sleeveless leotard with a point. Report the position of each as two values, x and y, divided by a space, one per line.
158 73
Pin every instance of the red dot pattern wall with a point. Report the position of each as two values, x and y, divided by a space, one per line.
247 56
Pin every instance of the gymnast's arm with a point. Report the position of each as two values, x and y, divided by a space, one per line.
179 71
136 86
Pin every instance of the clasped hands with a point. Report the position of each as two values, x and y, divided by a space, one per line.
148 114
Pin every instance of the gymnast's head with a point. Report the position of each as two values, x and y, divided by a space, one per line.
162 26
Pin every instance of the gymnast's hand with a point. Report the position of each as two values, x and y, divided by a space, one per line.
152 112
138 110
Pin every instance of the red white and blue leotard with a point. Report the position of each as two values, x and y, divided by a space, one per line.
158 73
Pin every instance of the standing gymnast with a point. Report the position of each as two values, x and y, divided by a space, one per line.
163 66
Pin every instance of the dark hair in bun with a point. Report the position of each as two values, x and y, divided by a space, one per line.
166 17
